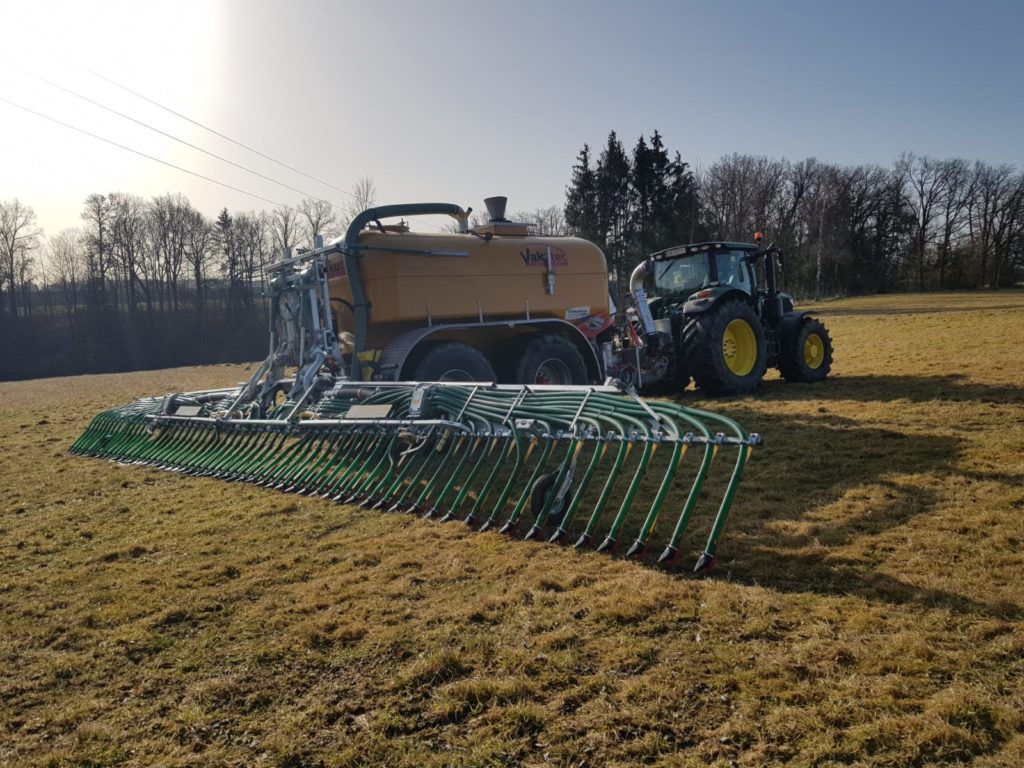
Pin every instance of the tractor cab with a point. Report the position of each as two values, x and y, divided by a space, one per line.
684 270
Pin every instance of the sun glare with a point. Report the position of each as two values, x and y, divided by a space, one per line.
167 50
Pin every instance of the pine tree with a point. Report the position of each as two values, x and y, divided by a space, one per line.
613 202
682 224
643 183
662 209
581 199
231 264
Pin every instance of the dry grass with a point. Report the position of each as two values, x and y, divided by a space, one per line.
867 609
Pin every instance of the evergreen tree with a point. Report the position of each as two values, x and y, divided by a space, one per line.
581 199
613 202
633 206
643 194
681 223
662 208
231 265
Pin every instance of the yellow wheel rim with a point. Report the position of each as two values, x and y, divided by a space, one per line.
739 347
814 351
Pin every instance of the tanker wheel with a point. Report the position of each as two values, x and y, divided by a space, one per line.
726 350
807 356
453 361
550 359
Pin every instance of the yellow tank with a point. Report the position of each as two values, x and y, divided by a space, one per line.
416 279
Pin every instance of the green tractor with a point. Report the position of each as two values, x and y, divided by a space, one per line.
713 312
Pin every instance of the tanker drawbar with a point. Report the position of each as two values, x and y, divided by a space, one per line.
589 465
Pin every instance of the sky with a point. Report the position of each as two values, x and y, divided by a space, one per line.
455 101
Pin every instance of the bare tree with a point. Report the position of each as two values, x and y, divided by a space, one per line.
250 232
284 226
19 237
927 182
129 241
65 267
97 215
362 195
742 194
548 222
956 197
320 218
992 186
169 229
1009 228
199 241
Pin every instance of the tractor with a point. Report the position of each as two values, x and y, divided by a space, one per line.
712 312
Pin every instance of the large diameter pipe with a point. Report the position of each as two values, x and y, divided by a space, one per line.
639 297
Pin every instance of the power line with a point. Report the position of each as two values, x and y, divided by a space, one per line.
147 156
184 142
143 154
169 136
211 130
224 136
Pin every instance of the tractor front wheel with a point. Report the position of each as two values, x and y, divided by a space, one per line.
807 354
726 352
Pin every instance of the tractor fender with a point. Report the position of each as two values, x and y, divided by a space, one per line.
789 326
709 297
395 355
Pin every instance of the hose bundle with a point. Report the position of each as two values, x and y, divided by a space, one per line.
570 463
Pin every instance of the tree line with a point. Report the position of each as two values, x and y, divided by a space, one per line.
149 283
146 283
920 224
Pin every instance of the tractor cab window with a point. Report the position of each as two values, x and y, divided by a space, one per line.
732 270
760 280
684 275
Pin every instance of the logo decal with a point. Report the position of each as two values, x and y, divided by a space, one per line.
538 257
335 267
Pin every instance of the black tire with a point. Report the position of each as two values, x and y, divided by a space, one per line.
719 363
453 361
550 359
540 489
806 356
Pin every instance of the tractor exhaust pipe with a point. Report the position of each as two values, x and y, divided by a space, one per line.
638 297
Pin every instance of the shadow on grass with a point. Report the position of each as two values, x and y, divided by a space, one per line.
817 502
897 310
955 387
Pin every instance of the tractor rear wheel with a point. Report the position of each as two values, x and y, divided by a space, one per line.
550 359
453 361
726 352
807 355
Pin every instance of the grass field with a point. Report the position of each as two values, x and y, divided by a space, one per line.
868 607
